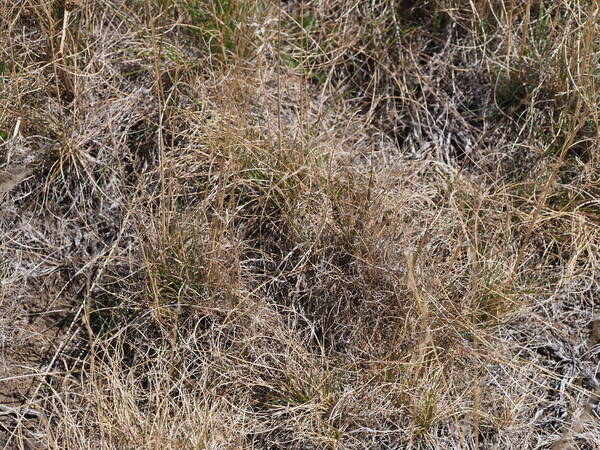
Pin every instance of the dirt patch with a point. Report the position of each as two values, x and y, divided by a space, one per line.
36 306
33 329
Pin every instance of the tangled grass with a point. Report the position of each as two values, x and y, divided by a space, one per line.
311 224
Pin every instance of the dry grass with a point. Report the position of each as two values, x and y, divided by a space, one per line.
315 224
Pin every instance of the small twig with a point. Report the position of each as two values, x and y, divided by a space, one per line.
63 36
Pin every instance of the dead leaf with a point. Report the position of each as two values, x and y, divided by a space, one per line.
9 178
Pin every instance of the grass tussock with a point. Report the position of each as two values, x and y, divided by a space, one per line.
311 224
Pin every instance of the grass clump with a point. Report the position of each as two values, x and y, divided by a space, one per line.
299 224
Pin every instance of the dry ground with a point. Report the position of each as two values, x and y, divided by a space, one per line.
303 224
